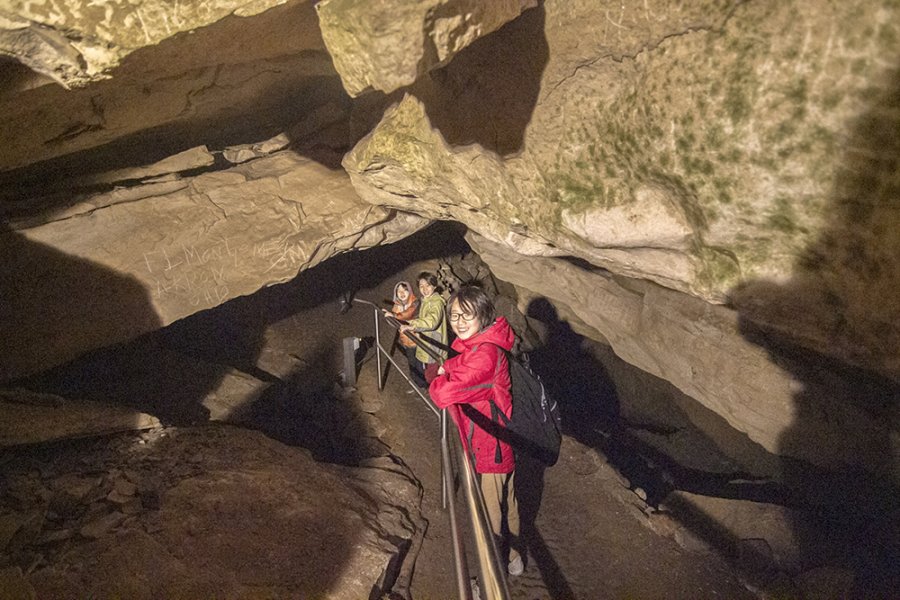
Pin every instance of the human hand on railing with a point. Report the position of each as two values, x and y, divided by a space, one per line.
405 328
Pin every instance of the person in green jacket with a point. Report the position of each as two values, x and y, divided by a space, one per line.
431 322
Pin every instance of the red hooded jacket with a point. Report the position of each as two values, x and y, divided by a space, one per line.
475 376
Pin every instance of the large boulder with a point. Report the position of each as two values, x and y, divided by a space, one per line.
113 266
741 152
386 45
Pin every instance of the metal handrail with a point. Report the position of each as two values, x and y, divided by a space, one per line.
493 577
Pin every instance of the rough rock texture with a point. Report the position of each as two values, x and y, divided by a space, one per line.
238 80
386 45
76 42
115 265
742 149
204 512
819 416
737 153
30 418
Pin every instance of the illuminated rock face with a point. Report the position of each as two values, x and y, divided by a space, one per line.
740 153
386 45
76 42
741 157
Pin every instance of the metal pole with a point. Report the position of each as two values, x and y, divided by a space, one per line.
377 353
493 576
444 467
459 551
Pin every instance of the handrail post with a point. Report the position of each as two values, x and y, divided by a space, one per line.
445 487
459 553
377 353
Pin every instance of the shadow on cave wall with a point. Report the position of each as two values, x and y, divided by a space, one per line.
220 352
488 92
54 304
845 297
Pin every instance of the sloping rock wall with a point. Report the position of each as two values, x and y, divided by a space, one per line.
117 265
721 149
700 348
237 80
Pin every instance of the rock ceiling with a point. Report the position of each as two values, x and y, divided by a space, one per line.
737 158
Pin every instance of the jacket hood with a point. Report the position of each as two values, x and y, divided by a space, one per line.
499 333
412 297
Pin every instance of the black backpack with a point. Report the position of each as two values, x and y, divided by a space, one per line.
535 426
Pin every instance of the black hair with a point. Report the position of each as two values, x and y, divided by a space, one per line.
472 299
429 277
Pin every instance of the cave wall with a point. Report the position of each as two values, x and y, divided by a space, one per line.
739 152
790 404
741 156
709 185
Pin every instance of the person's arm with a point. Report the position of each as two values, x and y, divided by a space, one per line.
430 317
467 378
407 313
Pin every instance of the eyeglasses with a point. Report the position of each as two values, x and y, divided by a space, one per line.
454 317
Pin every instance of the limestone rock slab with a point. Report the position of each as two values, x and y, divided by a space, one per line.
75 42
117 270
386 45
700 348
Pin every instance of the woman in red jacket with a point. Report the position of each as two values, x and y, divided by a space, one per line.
475 384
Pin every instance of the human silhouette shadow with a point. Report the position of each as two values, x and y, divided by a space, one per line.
588 407
835 327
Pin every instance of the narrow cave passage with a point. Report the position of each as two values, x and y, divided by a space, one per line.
270 363
602 523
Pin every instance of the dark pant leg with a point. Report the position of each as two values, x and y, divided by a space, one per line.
416 368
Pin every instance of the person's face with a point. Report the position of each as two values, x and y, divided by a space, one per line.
464 323
426 288
402 293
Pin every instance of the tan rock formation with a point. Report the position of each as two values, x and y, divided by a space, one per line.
120 264
701 349
716 149
76 42
386 45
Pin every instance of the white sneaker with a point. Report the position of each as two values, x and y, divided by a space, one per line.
516 566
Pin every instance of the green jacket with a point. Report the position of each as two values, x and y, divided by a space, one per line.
431 323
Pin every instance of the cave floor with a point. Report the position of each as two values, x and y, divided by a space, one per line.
590 537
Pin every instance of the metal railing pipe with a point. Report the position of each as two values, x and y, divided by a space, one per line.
459 552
